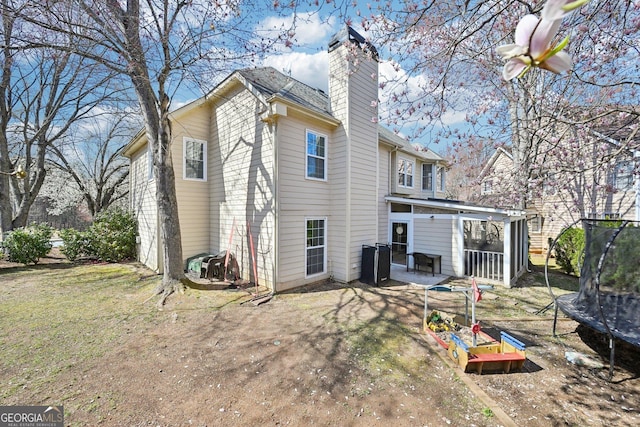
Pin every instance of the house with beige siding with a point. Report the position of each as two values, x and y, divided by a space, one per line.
603 187
295 182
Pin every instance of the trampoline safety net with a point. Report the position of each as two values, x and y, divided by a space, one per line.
609 296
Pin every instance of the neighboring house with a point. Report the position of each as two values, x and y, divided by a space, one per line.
307 179
594 189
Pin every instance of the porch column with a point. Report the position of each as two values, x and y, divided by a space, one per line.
506 253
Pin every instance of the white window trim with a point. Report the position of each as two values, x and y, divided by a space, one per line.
306 248
430 166
306 155
628 177
441 183
487 186
413 175
536 225
186 140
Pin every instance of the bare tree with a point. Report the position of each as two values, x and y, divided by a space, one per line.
160 45
93 160
43 93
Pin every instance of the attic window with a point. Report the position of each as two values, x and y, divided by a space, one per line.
487 187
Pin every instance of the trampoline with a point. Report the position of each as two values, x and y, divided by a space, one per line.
608 300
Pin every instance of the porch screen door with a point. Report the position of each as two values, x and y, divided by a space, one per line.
399 234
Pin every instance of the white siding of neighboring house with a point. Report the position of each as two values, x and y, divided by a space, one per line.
558 211
193 196
242 184
436 236
300 198
143 204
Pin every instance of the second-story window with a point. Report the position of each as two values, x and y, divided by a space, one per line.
623 176
316 156
195 159
427 177
440 178
405 173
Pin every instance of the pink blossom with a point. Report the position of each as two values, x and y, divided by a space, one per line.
533 48
558 9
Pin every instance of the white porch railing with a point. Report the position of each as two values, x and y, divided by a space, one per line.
484 265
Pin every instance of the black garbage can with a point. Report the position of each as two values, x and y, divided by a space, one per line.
376 264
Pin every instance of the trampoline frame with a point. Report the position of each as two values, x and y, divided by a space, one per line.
566 302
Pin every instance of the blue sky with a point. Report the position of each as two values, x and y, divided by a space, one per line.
307 59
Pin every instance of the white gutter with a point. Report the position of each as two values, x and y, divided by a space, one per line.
455 206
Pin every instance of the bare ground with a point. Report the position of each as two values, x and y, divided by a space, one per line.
325 355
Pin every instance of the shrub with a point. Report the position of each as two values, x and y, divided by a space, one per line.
111 238
570 250
74 243
112 235
27 245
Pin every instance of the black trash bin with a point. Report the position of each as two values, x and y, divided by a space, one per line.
376 264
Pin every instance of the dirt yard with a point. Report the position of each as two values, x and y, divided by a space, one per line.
325 355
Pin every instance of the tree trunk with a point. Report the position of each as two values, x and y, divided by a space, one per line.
5 204
173 272
159 139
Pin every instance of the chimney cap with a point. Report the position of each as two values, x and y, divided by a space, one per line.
349 34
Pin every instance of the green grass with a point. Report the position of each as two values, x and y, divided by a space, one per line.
52 318
379 346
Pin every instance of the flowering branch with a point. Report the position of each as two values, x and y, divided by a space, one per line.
534 38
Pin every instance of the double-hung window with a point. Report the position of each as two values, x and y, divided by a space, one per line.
623 176
487 186
536 224
315 256
405 173
195 159
440 178
427 177
316 156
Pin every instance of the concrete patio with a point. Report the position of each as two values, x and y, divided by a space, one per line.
420 278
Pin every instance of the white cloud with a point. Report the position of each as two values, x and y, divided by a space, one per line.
311 69
310 29
453 117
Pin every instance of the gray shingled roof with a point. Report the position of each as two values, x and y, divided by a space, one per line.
270 81
400 142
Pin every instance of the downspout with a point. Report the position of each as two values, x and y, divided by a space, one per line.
276 206
390 179
349 269
391 169
271 119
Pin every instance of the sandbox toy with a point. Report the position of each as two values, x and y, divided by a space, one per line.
505 356
509 354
